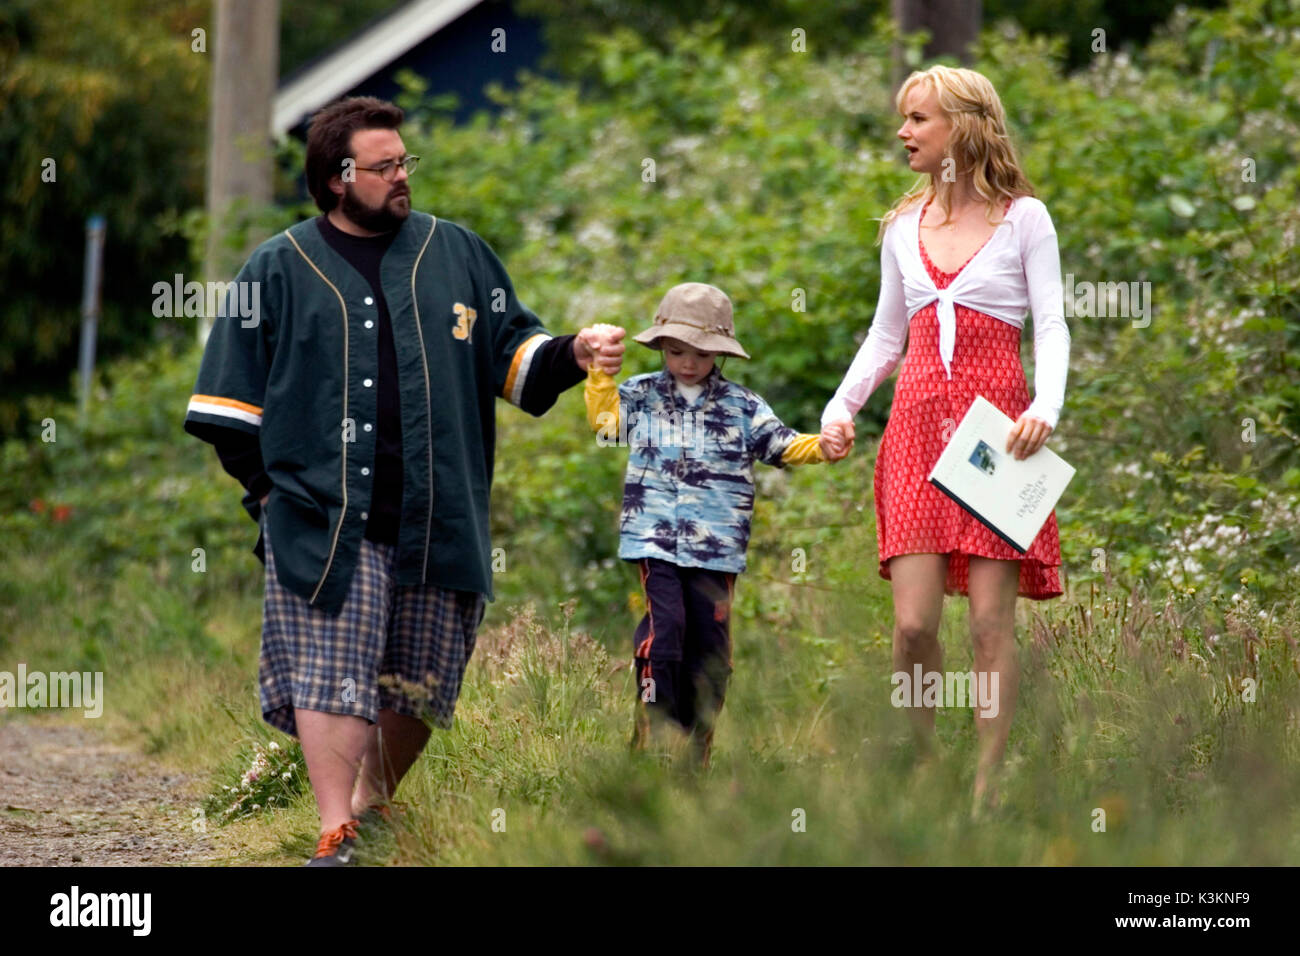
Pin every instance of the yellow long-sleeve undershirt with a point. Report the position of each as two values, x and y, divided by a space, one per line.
601 396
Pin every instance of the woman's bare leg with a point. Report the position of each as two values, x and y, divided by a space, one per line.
918 581
993 585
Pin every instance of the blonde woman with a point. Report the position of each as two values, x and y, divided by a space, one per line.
965 253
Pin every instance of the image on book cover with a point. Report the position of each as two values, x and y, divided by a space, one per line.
984 458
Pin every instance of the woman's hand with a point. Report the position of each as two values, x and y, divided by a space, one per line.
1027 436
837 439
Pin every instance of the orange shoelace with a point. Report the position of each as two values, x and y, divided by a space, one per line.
330 841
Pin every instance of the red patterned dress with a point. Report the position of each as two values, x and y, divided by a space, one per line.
913 516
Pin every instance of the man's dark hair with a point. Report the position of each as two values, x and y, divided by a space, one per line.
330 136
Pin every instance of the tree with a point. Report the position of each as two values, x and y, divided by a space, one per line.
953 26
240 149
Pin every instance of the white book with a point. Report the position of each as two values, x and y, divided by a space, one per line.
1013 498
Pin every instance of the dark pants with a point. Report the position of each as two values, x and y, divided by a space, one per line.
683 645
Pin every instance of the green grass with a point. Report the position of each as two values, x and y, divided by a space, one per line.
1185 777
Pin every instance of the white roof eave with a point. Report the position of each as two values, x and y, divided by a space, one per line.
360 58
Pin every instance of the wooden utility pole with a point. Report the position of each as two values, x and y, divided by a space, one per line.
953 26
245 53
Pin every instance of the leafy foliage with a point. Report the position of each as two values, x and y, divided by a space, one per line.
114 95
835 27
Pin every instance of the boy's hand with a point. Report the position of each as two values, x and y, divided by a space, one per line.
837 439
601 343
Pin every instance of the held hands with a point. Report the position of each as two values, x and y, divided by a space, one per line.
602 344
1027 436
837 439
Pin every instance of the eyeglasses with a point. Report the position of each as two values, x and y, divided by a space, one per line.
388 170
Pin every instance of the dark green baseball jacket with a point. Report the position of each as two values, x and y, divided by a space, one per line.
302 376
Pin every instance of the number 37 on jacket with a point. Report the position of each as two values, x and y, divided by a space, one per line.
465 317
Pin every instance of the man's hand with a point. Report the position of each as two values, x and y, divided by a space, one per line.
265 499
837 439
1027 436
601 343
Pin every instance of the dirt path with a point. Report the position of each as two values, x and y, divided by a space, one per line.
71 797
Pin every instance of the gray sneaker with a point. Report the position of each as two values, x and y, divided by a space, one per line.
336 847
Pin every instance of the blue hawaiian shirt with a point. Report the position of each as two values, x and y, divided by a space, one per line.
689 491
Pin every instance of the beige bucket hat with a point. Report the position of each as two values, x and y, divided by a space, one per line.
698 314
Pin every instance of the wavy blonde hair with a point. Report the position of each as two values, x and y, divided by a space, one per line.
979 144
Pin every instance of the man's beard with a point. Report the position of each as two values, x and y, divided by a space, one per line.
375 219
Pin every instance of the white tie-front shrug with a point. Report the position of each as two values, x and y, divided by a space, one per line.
1018 268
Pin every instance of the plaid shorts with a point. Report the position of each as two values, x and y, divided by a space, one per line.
421 637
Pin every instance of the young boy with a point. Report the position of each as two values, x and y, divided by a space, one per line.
687 501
